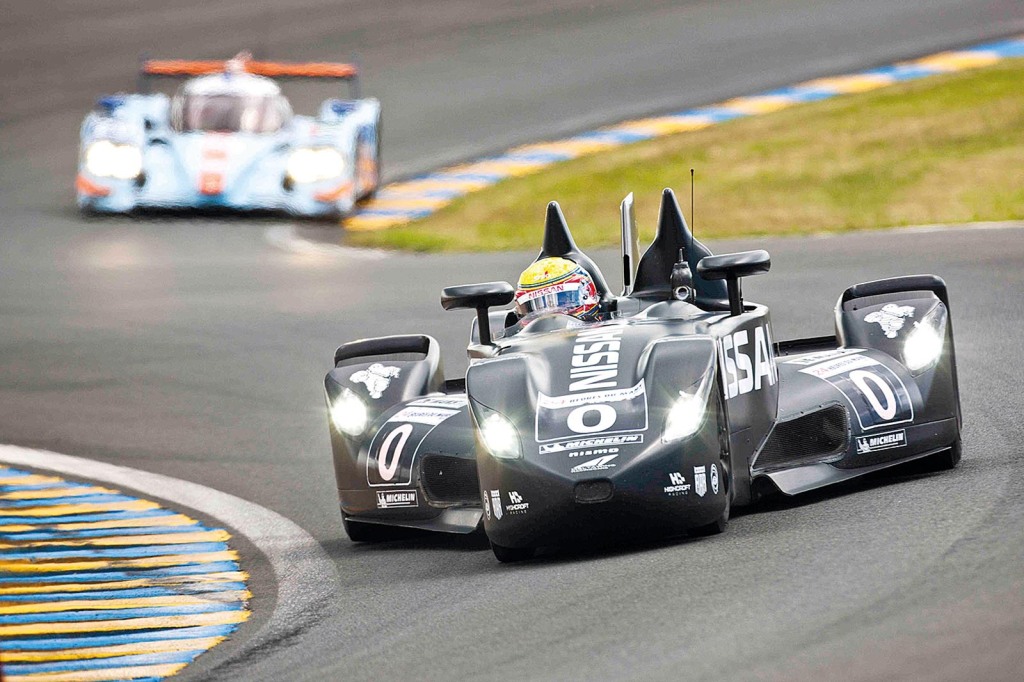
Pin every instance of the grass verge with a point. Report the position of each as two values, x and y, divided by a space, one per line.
941 149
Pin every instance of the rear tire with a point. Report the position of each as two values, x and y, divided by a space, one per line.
508 555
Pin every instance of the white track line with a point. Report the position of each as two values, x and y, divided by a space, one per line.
285 238
914 229
305 576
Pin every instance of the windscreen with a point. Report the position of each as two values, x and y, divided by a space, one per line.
232 113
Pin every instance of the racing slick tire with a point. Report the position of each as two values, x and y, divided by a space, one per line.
508 555
715 527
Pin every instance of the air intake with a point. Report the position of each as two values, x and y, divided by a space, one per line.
815 437
588 492
449 480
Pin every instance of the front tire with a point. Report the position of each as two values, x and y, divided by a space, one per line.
508 555
947 459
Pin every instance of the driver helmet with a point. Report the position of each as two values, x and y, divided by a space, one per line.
557 285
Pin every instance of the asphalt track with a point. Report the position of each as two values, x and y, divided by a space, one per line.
192 348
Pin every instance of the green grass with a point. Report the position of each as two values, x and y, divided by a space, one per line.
942 149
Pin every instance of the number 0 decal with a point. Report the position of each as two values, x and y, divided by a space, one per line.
862 379
391 452
391 456
878 395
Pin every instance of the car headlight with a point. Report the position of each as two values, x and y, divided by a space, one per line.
348 412
687 413
106 159
500 436
923 346
311 164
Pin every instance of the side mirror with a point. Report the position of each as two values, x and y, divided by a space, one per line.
480 297
732 267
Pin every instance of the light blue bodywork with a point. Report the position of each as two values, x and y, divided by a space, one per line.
252 167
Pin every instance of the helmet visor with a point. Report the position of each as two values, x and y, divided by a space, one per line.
566 297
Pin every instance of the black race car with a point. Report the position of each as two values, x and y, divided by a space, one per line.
658 419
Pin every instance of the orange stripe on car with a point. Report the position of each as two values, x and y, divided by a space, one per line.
87 186
334 194
185 67
211 183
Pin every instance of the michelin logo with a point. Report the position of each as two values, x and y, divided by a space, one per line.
881 441
890 318
377 378
390 499
605 441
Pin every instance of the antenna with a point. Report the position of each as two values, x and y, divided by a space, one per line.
691 200
693 225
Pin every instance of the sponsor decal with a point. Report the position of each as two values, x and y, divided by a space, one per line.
390 499
487 505
700 481
599 464
595 359
604 441
377 378
748 361
815 358
516 504
890 318
678 485
714 479
877 394
560 418
496 503
422 415
595 451
881 441
450 402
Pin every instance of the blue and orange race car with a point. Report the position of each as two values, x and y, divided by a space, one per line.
227 139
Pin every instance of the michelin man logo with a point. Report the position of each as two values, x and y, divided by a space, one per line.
377 378
890 318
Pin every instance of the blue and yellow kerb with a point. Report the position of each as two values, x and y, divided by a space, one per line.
99 585
403 202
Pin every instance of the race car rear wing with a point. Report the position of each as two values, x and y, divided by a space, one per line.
150 69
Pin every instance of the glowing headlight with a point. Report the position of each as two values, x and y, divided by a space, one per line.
310 164
922 347
348 412
108 160
686 415
500 436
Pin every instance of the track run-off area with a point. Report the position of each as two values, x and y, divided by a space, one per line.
179 362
